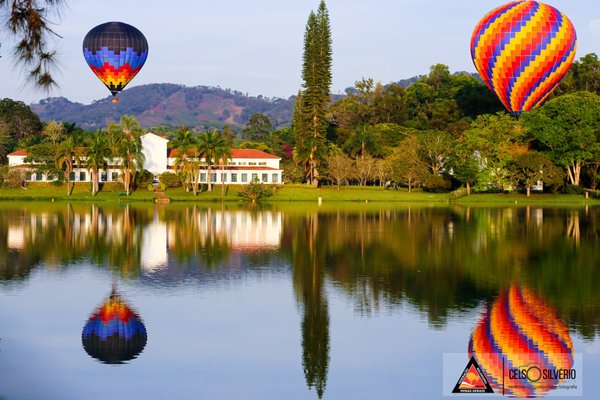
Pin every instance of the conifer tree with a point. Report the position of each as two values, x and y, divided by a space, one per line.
309 113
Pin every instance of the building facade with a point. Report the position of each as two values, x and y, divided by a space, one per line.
245 165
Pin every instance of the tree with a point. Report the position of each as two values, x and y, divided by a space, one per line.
258 127
364 169
54 132
362 141
66 157
18 124
184 141
435 149
97 156
129 150
228 135
568 129
28 22
339 167
407 166
494 140
531 167
584 75
210 146
223 155
310 127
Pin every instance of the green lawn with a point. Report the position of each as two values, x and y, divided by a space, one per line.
287 193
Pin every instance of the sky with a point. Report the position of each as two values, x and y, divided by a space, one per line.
256 47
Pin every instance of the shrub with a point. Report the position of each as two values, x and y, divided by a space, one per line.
14 178
144 178
572 189
437 184
256 191
170 180
150 187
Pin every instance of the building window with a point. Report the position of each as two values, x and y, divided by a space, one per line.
231 163
244 178
233 178
243 163
262 163
254 177
251 163
203 177
82 176
38 176
72 176
274 178
104 176
223 177
114 176
265 177
213 177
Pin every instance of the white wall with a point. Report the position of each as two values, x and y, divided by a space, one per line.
154 149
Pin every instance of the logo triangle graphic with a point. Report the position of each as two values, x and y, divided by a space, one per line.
473 380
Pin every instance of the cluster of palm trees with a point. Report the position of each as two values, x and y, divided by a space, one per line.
120 145
209 146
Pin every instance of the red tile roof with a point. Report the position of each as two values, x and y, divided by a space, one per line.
251 153
235 153
21 152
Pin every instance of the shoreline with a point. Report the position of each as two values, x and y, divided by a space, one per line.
293 194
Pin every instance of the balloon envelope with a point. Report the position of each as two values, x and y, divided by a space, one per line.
521 331
115 52
522 50
114 333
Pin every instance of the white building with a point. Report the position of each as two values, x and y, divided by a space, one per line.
245 166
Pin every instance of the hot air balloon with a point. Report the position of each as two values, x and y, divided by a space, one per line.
114 333
520 332
115 52
522 50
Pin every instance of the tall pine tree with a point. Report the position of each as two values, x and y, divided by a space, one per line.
309 113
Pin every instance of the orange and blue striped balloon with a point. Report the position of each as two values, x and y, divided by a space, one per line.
520 331
522 50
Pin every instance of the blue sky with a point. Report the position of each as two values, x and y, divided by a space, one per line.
256 47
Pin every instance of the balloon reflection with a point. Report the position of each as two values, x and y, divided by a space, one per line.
518 337
114 333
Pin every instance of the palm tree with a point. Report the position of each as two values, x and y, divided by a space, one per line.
132 160
66 157
363 142
209 145
223 154
184 141
97 158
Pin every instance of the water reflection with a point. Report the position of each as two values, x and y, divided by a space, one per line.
520 331
114 333
308 262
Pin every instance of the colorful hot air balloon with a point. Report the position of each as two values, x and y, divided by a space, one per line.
114 333
115 52
522 50
524 332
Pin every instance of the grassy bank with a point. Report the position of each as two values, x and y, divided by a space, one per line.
286 193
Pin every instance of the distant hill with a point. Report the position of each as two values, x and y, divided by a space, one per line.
172 105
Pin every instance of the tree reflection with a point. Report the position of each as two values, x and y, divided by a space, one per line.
308 263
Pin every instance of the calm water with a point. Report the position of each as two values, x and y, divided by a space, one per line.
343 302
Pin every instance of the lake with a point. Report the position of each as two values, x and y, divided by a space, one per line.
294 301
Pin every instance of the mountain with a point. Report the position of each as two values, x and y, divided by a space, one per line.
157 104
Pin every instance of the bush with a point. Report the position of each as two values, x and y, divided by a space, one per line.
256 191
437 184
572 189
13 178
170 180
144 178
150 187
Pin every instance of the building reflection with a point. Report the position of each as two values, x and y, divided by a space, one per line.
521 332
114 333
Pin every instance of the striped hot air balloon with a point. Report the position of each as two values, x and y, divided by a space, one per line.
114 333
522 50
521 332
115 52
